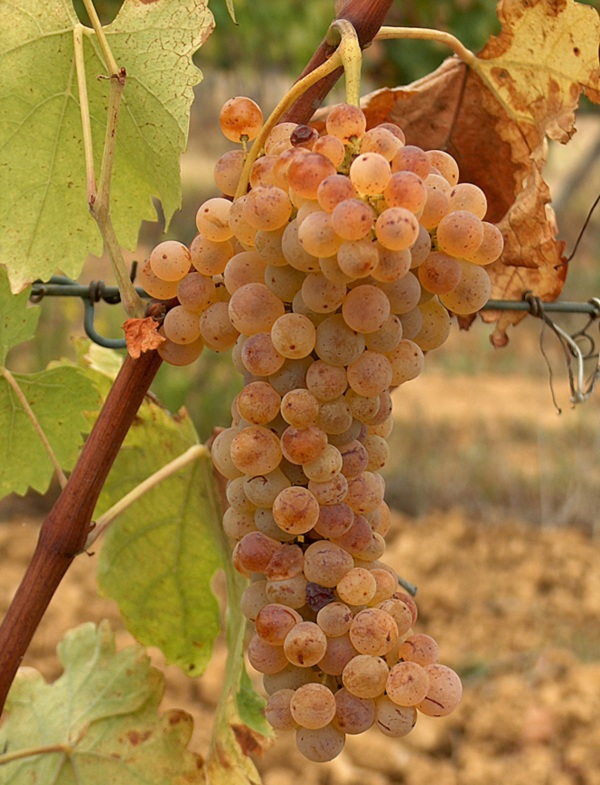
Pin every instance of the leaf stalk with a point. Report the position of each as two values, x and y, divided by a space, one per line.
32 752
86 124
99 194
100 209
427 34
111 63
105 520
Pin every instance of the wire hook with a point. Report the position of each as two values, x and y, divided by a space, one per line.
581 389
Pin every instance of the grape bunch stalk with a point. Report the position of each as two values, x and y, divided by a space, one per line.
336 267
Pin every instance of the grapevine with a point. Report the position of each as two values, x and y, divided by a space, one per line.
329 265
336 251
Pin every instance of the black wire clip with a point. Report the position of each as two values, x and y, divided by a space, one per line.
94 292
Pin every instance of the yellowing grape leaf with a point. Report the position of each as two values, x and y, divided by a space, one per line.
44 218
104 362
228 762
98 723
494 116
17 319
546 54
58 397
159 557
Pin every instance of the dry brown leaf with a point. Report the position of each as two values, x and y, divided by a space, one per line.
494 117
141 335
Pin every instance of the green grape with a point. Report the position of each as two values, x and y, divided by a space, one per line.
212 219
353 715
393 720
170 261
346 121
181 326
240 118
352 219
313 706
320 745
370 173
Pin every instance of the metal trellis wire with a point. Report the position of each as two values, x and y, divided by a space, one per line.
580 346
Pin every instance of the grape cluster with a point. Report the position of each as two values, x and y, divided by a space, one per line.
330 277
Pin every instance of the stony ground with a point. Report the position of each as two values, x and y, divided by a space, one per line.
515 610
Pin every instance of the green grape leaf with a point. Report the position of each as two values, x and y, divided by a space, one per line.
58 397
250 706
239 727
99 364
17 320
99 720
106 362
44 219
159 557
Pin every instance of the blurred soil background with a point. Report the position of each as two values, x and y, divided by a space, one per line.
496 496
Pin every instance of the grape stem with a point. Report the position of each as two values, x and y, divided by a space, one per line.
427 34
343 32
348 55
36 424
105 520
99 194
289 98
367 16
